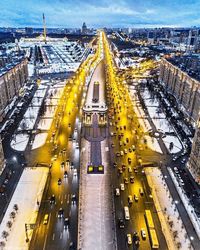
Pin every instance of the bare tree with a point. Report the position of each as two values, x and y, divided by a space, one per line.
2 244
5 235
15 207
9 224
12 215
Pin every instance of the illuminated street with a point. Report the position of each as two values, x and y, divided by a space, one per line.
99 129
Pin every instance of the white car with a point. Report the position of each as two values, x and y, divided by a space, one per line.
130 170
136 197
143 233
117 192
125 151
129 239
75 172
122 187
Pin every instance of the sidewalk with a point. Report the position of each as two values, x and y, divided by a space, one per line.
95 207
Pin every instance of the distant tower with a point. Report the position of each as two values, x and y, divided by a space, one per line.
84 28
44 32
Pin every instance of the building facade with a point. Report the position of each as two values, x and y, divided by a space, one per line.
12 78
185 88
194 161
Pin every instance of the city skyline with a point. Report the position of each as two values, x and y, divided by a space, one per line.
124 13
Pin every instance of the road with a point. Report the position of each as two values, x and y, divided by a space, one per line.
127 133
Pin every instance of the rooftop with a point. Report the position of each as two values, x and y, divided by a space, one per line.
188 63
10 63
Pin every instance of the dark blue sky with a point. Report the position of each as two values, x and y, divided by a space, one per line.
118 13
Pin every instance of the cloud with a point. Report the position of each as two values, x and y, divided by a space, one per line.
71 13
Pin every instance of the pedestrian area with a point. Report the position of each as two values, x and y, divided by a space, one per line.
96 219
23 209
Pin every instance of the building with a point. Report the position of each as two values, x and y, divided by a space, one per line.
2 160
194 40
183 83
28 30
84 29
12 77
194 161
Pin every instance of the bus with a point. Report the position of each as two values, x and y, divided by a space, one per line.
151 228
126 213
149 219
153 239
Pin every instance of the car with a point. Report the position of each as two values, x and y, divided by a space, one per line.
75 172
130 199
122 187
123 167
129 160
55 157
124 143
46 218
114 164
66 223
65 174
120 144
133 147
72 246
141 191
112 145
73 198
125 151
117 192
59 181
129 239
130 150
136 197
135 170
118 154
125 180
2 190
129 169
62 164
131 179
136 238
60 212
77 145
143 234
121 223
121 153
120 171
67 163
53 199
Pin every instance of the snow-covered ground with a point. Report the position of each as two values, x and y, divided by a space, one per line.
171 223
153 144
53 95
20 141
95 205
39 140
33 180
